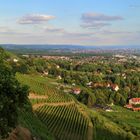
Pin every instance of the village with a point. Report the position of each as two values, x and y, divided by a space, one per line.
93 85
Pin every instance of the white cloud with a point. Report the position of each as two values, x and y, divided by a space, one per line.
58 35
55 30
91 17
95 25
5 30
97 20
35 19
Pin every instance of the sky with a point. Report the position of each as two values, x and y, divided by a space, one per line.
78 22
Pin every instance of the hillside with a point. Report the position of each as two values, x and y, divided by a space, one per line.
57 110
52 112
66 118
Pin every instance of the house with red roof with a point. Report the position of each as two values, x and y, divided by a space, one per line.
114 87
134 104
76 91
136 108
134 101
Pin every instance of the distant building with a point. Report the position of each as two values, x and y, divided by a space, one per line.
129 106
108 109
98 85
73 84
59 77
119 56
15 60
89 84
124 76
57 66
76 91
114 87
132 104
134 101
136 109
45 73
27 56
108 85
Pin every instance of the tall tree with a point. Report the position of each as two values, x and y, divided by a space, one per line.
12 96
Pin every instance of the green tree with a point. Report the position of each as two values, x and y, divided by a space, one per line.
12 96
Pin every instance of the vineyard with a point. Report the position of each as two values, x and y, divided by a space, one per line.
65 122
41 86
61 115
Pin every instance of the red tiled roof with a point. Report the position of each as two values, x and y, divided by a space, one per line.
76 89
114 85
135 99
136 109
128 106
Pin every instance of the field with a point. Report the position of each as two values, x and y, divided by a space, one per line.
42 86
66 122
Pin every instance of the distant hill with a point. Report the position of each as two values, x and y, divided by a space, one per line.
46 47
66 47
49 49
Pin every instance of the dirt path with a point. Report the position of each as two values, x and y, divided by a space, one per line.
53 104
35 96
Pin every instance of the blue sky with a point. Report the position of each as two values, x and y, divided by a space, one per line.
84 22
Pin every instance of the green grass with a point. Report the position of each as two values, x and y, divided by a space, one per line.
127 119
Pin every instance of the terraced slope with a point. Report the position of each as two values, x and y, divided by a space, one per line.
58 111
41 86
65 122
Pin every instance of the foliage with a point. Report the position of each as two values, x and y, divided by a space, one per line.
38 129
12 97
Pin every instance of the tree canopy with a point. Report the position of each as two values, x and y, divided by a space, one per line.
12 97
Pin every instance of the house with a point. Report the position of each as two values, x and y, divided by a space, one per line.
57 66
45 73
76 91
123 75
134 104
98 85
119 56
136 109
59 77
107 109
89 84
129 106
134 101
15 60
73 84
108 85
27 56
114 87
